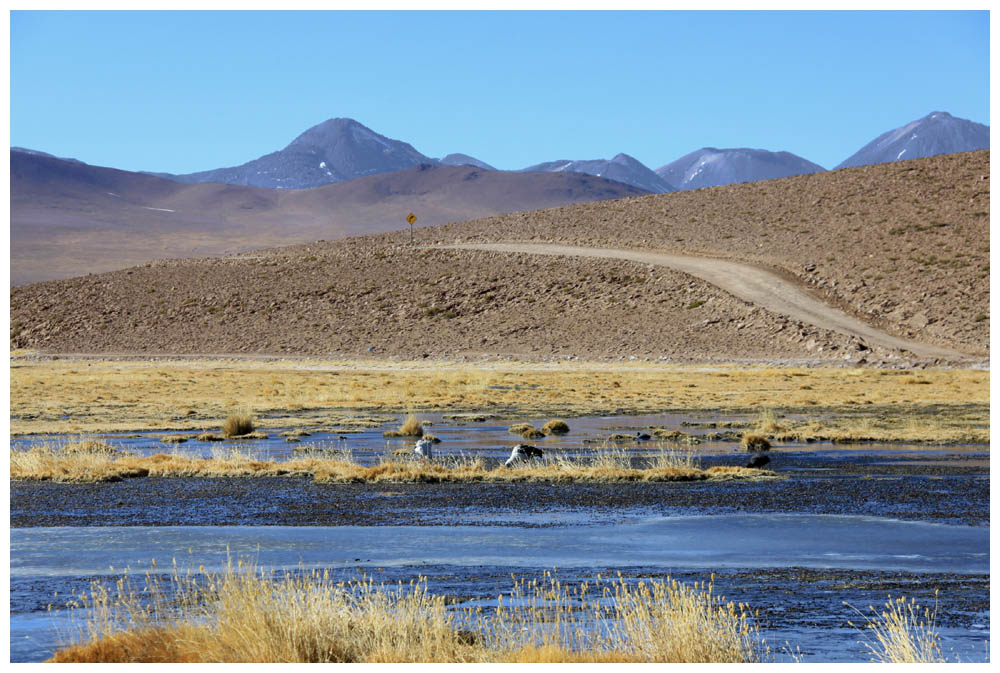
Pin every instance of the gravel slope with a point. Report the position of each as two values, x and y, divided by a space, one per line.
903 247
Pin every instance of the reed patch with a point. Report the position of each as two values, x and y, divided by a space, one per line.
244 614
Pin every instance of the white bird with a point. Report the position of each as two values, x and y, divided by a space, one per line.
522 453
423 449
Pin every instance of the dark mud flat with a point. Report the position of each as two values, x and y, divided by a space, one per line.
931 486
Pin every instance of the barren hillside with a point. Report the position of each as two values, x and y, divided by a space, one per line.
69 219
903 246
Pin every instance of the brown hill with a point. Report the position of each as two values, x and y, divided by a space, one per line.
902 246
69 218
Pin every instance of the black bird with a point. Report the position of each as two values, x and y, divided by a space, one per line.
522 453
641 436
759 460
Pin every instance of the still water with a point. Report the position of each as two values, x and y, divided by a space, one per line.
477 561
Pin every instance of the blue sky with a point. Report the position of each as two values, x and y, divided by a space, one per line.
188 91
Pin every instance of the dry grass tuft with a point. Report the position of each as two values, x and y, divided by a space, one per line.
532 433
246 615
556 427
237 425
902 634
767 423
519 428
675 436
753 442
411 427
210 437
90 446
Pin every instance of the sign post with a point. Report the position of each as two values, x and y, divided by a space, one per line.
411 218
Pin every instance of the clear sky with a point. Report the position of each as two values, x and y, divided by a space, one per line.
187 91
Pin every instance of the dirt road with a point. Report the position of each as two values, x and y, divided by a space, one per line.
747 282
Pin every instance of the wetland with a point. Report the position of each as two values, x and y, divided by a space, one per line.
842 526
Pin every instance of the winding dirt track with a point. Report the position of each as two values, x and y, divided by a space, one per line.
747 282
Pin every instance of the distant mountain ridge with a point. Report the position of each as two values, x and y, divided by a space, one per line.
341 149
458 159
711 167
69 218
621 168
937 133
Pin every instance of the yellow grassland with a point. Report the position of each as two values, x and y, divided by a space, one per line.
67 463
86 396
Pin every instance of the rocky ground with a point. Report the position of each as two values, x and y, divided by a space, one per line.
904 246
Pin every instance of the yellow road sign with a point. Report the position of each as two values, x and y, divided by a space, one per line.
411 218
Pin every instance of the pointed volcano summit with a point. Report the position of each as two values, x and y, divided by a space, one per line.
937 133
622 168
333 151
711 167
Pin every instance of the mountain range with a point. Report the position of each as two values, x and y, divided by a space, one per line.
340 149
340 178
68 218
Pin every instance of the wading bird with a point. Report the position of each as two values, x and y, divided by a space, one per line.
423 449
522 453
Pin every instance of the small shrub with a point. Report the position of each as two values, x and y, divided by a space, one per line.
237 425
555 427
695 304
981 317
754 442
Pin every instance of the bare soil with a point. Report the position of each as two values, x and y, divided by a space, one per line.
903 247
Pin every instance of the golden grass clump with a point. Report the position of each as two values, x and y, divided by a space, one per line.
90 446
210 437
244 614
532 433
767 423
45 462
753 442
411 427
556 427
237 425
902 634
519 428
674 436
